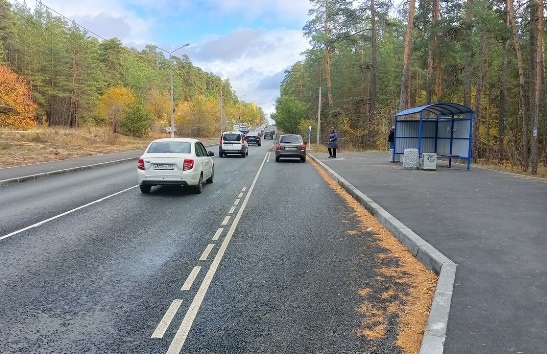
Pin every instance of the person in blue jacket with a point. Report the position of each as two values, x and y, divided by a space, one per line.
333 143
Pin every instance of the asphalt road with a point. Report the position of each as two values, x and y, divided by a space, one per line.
263 261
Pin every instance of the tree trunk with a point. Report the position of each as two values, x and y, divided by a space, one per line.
374 61
436 54
478 97
544 115
538 85
406 58
468 54
523 110
502 105
327 56
429 79
364 109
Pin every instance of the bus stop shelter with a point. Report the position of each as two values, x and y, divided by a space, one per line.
443 128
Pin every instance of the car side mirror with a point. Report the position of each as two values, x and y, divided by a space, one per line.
305 143
210 153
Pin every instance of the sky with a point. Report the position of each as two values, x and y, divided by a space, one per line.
249 42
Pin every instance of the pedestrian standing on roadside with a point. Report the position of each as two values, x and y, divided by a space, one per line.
391 137
333 143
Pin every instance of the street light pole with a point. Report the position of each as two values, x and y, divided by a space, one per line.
171 79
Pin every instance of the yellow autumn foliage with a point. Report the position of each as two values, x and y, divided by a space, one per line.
112 105
15 93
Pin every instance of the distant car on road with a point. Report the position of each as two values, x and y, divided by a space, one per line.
290 145
233 143
269 133
253 138
175 161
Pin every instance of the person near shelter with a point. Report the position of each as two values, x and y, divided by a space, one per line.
391 137
333 143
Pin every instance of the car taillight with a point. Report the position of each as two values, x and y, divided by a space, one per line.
278 147
243 141
303 147
188 164
140 164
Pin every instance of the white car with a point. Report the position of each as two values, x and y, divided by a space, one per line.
175 161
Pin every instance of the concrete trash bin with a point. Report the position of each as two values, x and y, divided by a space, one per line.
411 160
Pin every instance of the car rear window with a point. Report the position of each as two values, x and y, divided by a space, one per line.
231 137
174 147
290 139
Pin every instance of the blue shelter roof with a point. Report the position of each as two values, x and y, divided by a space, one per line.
439 109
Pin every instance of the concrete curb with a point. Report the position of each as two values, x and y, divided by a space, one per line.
58 172
435 332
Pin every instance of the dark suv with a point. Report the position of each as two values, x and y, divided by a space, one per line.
269 133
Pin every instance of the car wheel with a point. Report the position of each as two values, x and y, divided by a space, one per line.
303 159
199 188
210 179
247 153
276 159
259 144
145 189
220 154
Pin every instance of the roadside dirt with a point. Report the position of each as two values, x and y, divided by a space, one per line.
39 145
398 269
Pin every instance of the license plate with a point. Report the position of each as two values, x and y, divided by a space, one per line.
163 167
290 148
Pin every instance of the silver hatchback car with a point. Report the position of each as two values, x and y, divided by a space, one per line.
290 145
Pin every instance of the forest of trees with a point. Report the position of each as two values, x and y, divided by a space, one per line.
53 72
367 61
370 63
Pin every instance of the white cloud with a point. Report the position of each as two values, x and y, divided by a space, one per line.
281 11
252 60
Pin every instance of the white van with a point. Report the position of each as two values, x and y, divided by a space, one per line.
233 143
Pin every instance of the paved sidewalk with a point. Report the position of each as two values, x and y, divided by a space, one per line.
493 225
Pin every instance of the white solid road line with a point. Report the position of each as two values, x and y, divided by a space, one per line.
166 319
65 213
180 337
206 252
191 278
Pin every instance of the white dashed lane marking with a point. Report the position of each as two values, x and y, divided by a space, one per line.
218 233
191 278
167 318
205 253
